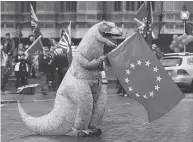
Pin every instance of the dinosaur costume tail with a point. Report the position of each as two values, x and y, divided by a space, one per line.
54 123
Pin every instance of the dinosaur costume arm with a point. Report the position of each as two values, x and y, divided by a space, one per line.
89 65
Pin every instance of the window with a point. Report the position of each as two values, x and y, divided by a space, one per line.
81 17
68 6
170 16
42 25
27 25
190 61
8 6
130 5
181 26
2 17
177 26
177 17
49 25
81 25
10 25
89 25
91 17
139 3
171 62
99 17
169 5
169 26
82 6
153 5
92 6
49 17
10 17
2 25
58 25
117 6
73 25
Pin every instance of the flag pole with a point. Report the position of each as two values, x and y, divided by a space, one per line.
19 34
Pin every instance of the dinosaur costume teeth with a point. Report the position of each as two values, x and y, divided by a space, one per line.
81 98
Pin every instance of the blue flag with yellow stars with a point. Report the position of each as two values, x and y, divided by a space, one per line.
143 77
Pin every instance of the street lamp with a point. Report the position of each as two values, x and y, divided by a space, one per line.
184 15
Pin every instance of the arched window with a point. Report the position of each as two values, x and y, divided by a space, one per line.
68 6
117 5
130 5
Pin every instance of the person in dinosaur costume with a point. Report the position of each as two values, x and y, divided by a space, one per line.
80 100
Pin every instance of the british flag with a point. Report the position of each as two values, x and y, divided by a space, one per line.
35 23
65 42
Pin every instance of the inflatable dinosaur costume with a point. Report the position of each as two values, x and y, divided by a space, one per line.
80 100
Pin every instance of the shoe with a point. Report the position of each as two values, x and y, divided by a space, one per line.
82 134
125 95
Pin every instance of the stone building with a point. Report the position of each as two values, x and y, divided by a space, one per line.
54 15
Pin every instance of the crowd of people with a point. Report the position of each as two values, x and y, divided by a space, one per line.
15 59
48 74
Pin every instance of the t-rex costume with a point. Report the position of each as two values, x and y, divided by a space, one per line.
80 100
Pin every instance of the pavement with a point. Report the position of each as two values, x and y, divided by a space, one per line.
125 120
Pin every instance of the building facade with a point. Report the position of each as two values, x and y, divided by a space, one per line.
54 15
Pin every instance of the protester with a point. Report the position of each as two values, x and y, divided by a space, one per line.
31 72
61 64
8 48
44 70
21 66
157 51
4 70
120 89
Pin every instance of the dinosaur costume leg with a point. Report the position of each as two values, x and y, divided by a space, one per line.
84 107
99 106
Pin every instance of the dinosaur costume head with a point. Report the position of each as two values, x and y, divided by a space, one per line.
108 30
104 33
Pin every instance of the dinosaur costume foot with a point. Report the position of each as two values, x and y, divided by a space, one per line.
91 132
95 130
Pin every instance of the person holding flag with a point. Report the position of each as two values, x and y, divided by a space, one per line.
34 51
61 53
21 66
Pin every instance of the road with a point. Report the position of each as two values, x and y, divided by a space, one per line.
125 120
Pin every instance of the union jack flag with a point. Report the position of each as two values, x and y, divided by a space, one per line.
65 42
35 23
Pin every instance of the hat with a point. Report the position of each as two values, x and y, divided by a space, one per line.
45 48
7 34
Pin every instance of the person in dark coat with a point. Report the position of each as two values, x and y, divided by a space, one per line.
4 69
61 65
44 70
21 66
9 47
31 72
